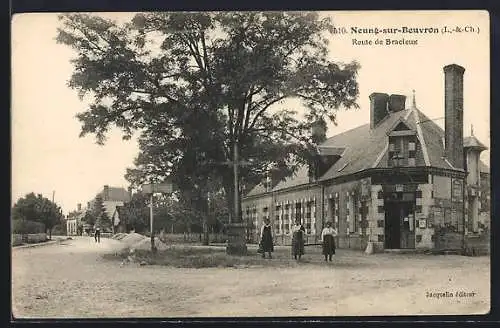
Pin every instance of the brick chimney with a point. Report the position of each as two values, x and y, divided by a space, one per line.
105 195
396 103
453 112
378 108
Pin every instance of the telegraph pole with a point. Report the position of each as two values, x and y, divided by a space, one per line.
236 184
153 248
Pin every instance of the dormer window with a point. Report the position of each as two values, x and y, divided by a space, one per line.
397 160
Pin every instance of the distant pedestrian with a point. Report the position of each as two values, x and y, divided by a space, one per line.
298 232
266 239
97 235
328 239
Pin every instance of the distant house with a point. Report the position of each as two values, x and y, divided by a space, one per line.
112 197
73 220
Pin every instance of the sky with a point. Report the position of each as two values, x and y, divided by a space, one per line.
49 157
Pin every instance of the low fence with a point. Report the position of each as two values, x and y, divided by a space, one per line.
32 238
476 245
191 238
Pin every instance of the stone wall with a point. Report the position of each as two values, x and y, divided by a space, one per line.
424 231
32 238
17 239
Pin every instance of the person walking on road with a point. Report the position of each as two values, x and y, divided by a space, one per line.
97 234
266 239
328 240
298 232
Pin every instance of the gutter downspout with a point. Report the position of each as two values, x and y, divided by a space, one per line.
322 206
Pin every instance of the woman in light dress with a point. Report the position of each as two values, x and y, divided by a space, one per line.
328 240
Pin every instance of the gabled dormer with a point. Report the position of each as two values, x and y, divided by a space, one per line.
403 145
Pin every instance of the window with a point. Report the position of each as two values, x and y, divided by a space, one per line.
277 220
380 209
380 238
331 210
298 211
307 224
286 219
418 238
418 209
411 146
355 212
265 214
255 220
418 194
380 195
380 223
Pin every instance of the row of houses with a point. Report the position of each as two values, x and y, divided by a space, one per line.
112 198
400 181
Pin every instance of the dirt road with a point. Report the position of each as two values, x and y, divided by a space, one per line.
72 280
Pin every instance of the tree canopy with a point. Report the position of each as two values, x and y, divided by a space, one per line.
195 84
37 208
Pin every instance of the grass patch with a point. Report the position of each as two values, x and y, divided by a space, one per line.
199 257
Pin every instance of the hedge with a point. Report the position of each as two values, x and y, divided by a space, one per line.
27 227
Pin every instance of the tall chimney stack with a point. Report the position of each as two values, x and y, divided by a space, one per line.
106 193
378 108
453 112
79 207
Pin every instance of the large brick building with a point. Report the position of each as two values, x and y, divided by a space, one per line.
399 181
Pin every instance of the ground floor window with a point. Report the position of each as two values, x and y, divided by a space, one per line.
448 219
307 218
277 220
298 211
286 219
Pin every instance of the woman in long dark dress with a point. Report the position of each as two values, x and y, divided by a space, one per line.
328 239
298 232
266 239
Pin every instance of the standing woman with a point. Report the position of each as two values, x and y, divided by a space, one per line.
328 239
298 232
266 238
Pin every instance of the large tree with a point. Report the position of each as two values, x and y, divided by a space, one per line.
37 208
98 211
200 85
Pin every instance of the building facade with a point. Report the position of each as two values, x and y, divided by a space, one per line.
112 197
74 220
400 181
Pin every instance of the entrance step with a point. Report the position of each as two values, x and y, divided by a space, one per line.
401 251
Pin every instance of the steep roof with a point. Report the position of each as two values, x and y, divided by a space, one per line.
115 194
472 142
363 148
299 178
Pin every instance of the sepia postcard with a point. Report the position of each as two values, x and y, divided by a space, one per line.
250 164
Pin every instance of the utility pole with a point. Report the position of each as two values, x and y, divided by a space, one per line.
53 195
151 189
153 248
236 184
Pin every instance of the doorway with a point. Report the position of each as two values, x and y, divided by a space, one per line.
399 222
